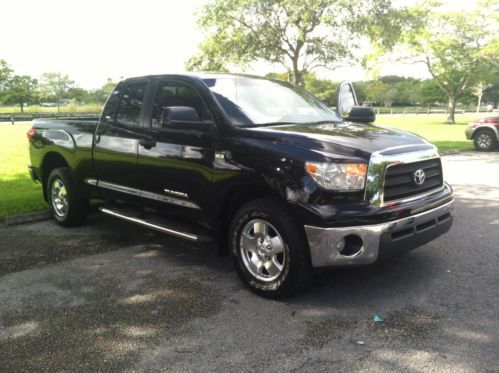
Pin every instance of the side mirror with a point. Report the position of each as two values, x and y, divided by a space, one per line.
362 114
346 99
172 114
184 118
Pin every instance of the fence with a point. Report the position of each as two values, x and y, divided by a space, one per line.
426 110
21 117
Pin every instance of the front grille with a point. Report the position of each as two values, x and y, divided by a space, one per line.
399 179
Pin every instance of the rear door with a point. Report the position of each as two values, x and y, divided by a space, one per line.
117 140
176 167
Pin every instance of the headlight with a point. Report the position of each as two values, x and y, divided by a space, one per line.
338 176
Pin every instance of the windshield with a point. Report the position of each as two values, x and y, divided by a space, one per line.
253 102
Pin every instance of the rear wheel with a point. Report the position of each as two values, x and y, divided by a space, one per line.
270 249
67 207
485 140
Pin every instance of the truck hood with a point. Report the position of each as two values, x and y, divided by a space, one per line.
340 139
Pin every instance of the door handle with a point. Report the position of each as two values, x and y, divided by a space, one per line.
147 143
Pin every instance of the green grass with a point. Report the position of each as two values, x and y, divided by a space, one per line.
447 137
18 193
71 108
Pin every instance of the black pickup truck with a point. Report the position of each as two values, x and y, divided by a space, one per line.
283 183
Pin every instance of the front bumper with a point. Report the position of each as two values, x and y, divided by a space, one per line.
379 241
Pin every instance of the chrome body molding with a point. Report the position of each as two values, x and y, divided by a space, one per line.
157 227
324 242
381 160
143 194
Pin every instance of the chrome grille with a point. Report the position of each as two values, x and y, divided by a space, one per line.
399 179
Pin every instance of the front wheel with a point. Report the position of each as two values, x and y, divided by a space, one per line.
67 207
485 140
270 249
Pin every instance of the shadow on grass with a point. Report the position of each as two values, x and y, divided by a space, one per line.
19 194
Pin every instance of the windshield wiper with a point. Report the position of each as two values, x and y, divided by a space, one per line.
267 124
324 122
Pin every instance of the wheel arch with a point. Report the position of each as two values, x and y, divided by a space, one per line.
234 199
485 127
51 161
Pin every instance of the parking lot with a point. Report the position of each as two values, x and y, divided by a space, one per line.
113 296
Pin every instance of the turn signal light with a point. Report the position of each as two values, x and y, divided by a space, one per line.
31 132
338 176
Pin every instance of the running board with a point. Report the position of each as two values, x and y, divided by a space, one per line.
160 227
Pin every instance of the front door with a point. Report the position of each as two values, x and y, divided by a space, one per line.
176 166
117 141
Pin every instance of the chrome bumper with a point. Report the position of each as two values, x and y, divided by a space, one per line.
380 240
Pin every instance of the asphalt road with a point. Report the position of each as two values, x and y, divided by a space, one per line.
113 296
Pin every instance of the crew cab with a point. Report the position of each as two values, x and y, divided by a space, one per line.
279 180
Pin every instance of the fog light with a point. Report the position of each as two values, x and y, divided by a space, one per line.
341 245
350 245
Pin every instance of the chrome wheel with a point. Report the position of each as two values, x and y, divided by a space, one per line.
59 198
484 141
262 250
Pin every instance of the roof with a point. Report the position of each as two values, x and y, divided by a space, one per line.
201 75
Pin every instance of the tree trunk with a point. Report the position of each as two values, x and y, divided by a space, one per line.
479 103
297 74
21 105
451 109
296 77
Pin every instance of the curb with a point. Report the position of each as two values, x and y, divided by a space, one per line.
452 152
29 217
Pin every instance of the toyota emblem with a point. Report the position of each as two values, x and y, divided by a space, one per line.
419 177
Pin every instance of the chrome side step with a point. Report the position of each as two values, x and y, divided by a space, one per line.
156 226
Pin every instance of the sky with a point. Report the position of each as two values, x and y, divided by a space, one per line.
92 40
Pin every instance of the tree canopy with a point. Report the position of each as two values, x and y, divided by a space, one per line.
20 89
5 74
55 86
299 35
459 49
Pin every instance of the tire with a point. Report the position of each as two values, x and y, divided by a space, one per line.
485 140
67 207
269 249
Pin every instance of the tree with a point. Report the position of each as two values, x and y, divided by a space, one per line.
101 94
377 92
55 86
492 95
79 94
478 91
403 91
324 89
431 93
458 48
300 35
488 80
20 89
5 74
